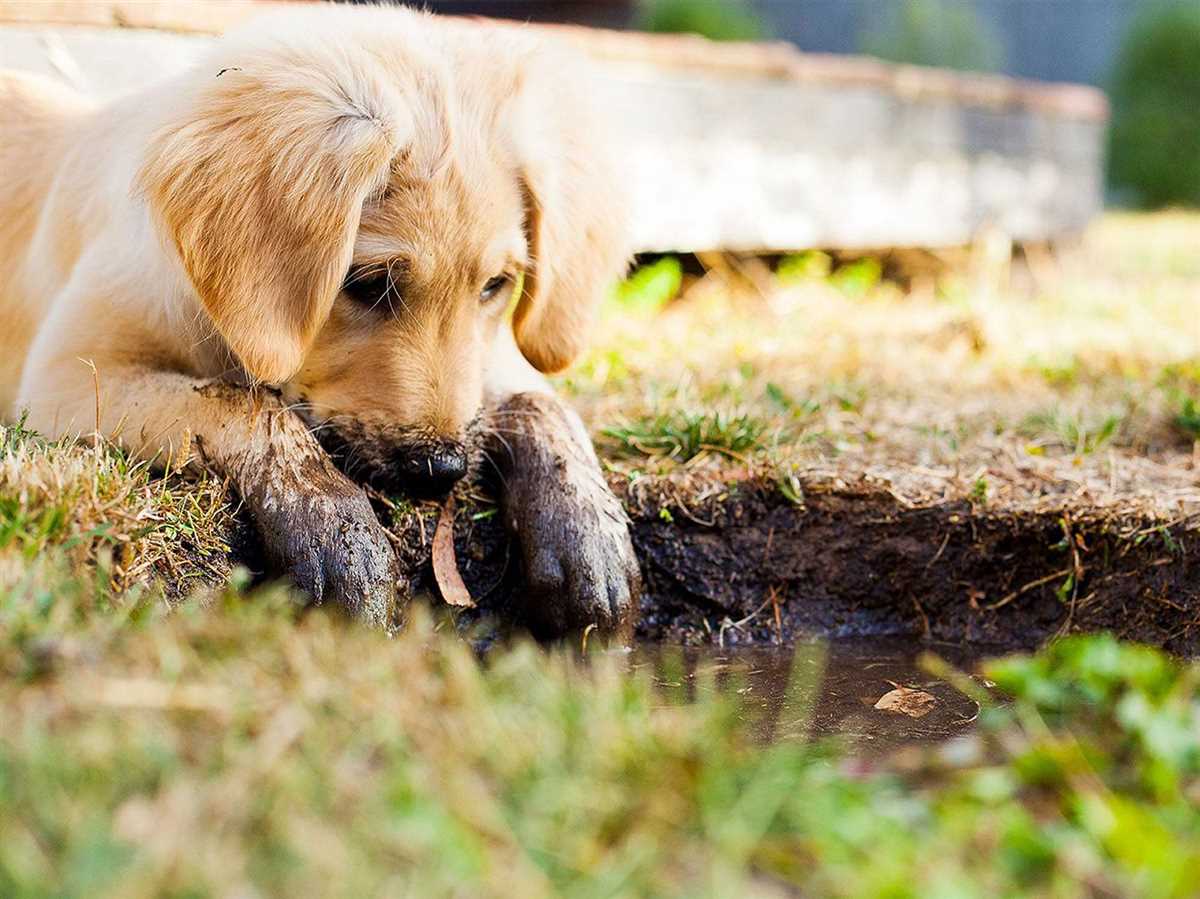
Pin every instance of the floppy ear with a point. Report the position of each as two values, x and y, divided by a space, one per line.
575 217
260 185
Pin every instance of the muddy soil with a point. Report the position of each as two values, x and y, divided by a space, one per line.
857 562
747 566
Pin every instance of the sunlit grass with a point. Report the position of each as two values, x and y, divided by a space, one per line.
235 745
95 503
1064 357
683 435
1188 417
1079 434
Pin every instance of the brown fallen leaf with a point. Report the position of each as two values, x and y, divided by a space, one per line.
445 565
907 701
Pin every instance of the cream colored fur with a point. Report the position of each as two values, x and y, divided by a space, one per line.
202 227
167 256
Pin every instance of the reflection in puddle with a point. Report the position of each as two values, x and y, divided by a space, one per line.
813 690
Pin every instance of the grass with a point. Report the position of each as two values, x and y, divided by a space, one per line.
685 435
1188 418
1073 433
1181 385
237 746
100 509
1061 373
219 741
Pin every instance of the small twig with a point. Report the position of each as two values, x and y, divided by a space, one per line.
395 538
778 616
1000 603
927 631
1166 525
380 497
900 500
725 451
737 625
96 387
687 513
1076 572
938 554
584 640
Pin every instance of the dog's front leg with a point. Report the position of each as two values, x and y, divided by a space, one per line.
573 532
316 526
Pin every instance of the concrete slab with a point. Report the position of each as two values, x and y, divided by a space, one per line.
750 147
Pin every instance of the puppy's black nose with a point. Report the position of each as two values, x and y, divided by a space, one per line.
433 473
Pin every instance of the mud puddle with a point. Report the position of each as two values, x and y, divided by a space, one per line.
872 694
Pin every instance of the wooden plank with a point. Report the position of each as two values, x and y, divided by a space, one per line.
783 61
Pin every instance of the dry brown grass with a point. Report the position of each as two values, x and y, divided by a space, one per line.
91 509
234 747
1049 381
1020 383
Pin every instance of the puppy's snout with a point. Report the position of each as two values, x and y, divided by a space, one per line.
433 472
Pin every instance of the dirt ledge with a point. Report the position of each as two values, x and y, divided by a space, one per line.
854 560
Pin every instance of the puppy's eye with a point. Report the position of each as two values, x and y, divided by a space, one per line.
367 285
494 287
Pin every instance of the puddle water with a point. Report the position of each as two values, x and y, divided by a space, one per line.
821 689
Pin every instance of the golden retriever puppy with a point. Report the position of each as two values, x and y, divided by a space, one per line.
295 261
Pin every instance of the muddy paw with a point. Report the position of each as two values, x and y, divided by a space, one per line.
332 547
574 535
577 554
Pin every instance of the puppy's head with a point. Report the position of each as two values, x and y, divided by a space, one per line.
358 203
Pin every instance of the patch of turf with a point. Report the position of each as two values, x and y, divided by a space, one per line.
1042 370
237 746
683 435
1077 433
94 501
1188 417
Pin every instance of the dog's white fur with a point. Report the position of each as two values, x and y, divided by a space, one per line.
199 231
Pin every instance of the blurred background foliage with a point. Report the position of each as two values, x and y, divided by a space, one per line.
719 20
946 33
1154 147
